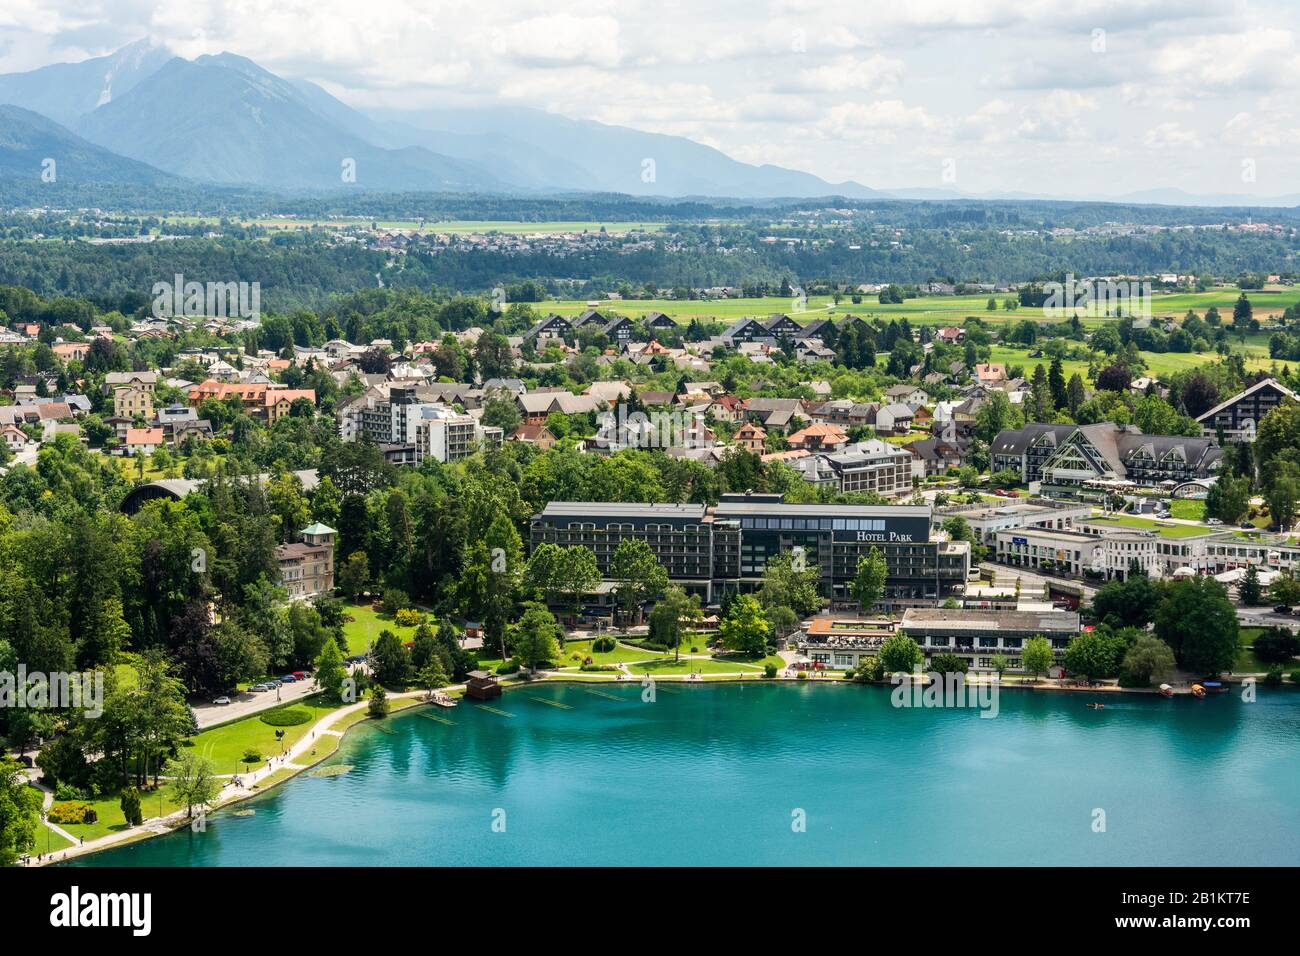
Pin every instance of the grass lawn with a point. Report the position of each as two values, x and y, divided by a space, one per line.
621 654
1187 508
47 841
111 819
1247 662
363 629
1147 524
695 665
225 745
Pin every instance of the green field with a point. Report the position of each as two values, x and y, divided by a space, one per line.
1146 524
1188 509
111 819
363 630
923 310
225 745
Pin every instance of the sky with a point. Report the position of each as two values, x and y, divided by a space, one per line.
1052 97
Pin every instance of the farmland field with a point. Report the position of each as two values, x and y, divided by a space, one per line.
923 310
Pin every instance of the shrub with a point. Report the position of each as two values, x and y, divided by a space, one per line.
395 599
769 670
1276 646
130 804
66 791
252 756
286 716
802 675
73 812
409 617
603 645
1274 675
588 666
508 667
694 649
1295 677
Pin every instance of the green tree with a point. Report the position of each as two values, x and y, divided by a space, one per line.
869 579
745 628
432 676
130 804
19 812
637 574
899 654
534 640
789 581
354 575
672 615
330 671
192 780
378 707
1228 499
1000 663
1199 623
389 661
1037 657
1249 592
1147 659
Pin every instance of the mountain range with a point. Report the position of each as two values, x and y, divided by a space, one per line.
223 119
142 115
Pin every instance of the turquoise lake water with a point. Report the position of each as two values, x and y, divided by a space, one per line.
721 774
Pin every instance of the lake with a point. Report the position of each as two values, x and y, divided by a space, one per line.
788 774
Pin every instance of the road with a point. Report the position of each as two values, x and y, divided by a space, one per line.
242 705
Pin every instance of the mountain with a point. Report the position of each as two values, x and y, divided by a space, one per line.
224 119
565 153
27 139
67 91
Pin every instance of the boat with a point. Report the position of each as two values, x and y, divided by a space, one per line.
442 700
1166 690
1097 706
1198 690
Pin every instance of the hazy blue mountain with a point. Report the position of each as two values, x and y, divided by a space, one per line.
582 154
67 91
27 139
224 119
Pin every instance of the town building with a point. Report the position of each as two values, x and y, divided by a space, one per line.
980 635
307 566
1238 418
727 547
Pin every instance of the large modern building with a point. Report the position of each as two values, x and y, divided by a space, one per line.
1238 418
981 635
874 466
1076 454
726 548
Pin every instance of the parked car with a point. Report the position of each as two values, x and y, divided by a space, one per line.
1247 526
222 700
301 675
1214 521
288 679
260 688
1281 609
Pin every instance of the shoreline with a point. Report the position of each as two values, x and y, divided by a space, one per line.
162 826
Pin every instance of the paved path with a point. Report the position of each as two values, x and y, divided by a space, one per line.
230 791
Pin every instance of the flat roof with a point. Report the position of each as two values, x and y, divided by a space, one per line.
621 509
979 619
822 511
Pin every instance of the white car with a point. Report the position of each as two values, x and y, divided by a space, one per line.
222 700
1214 521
